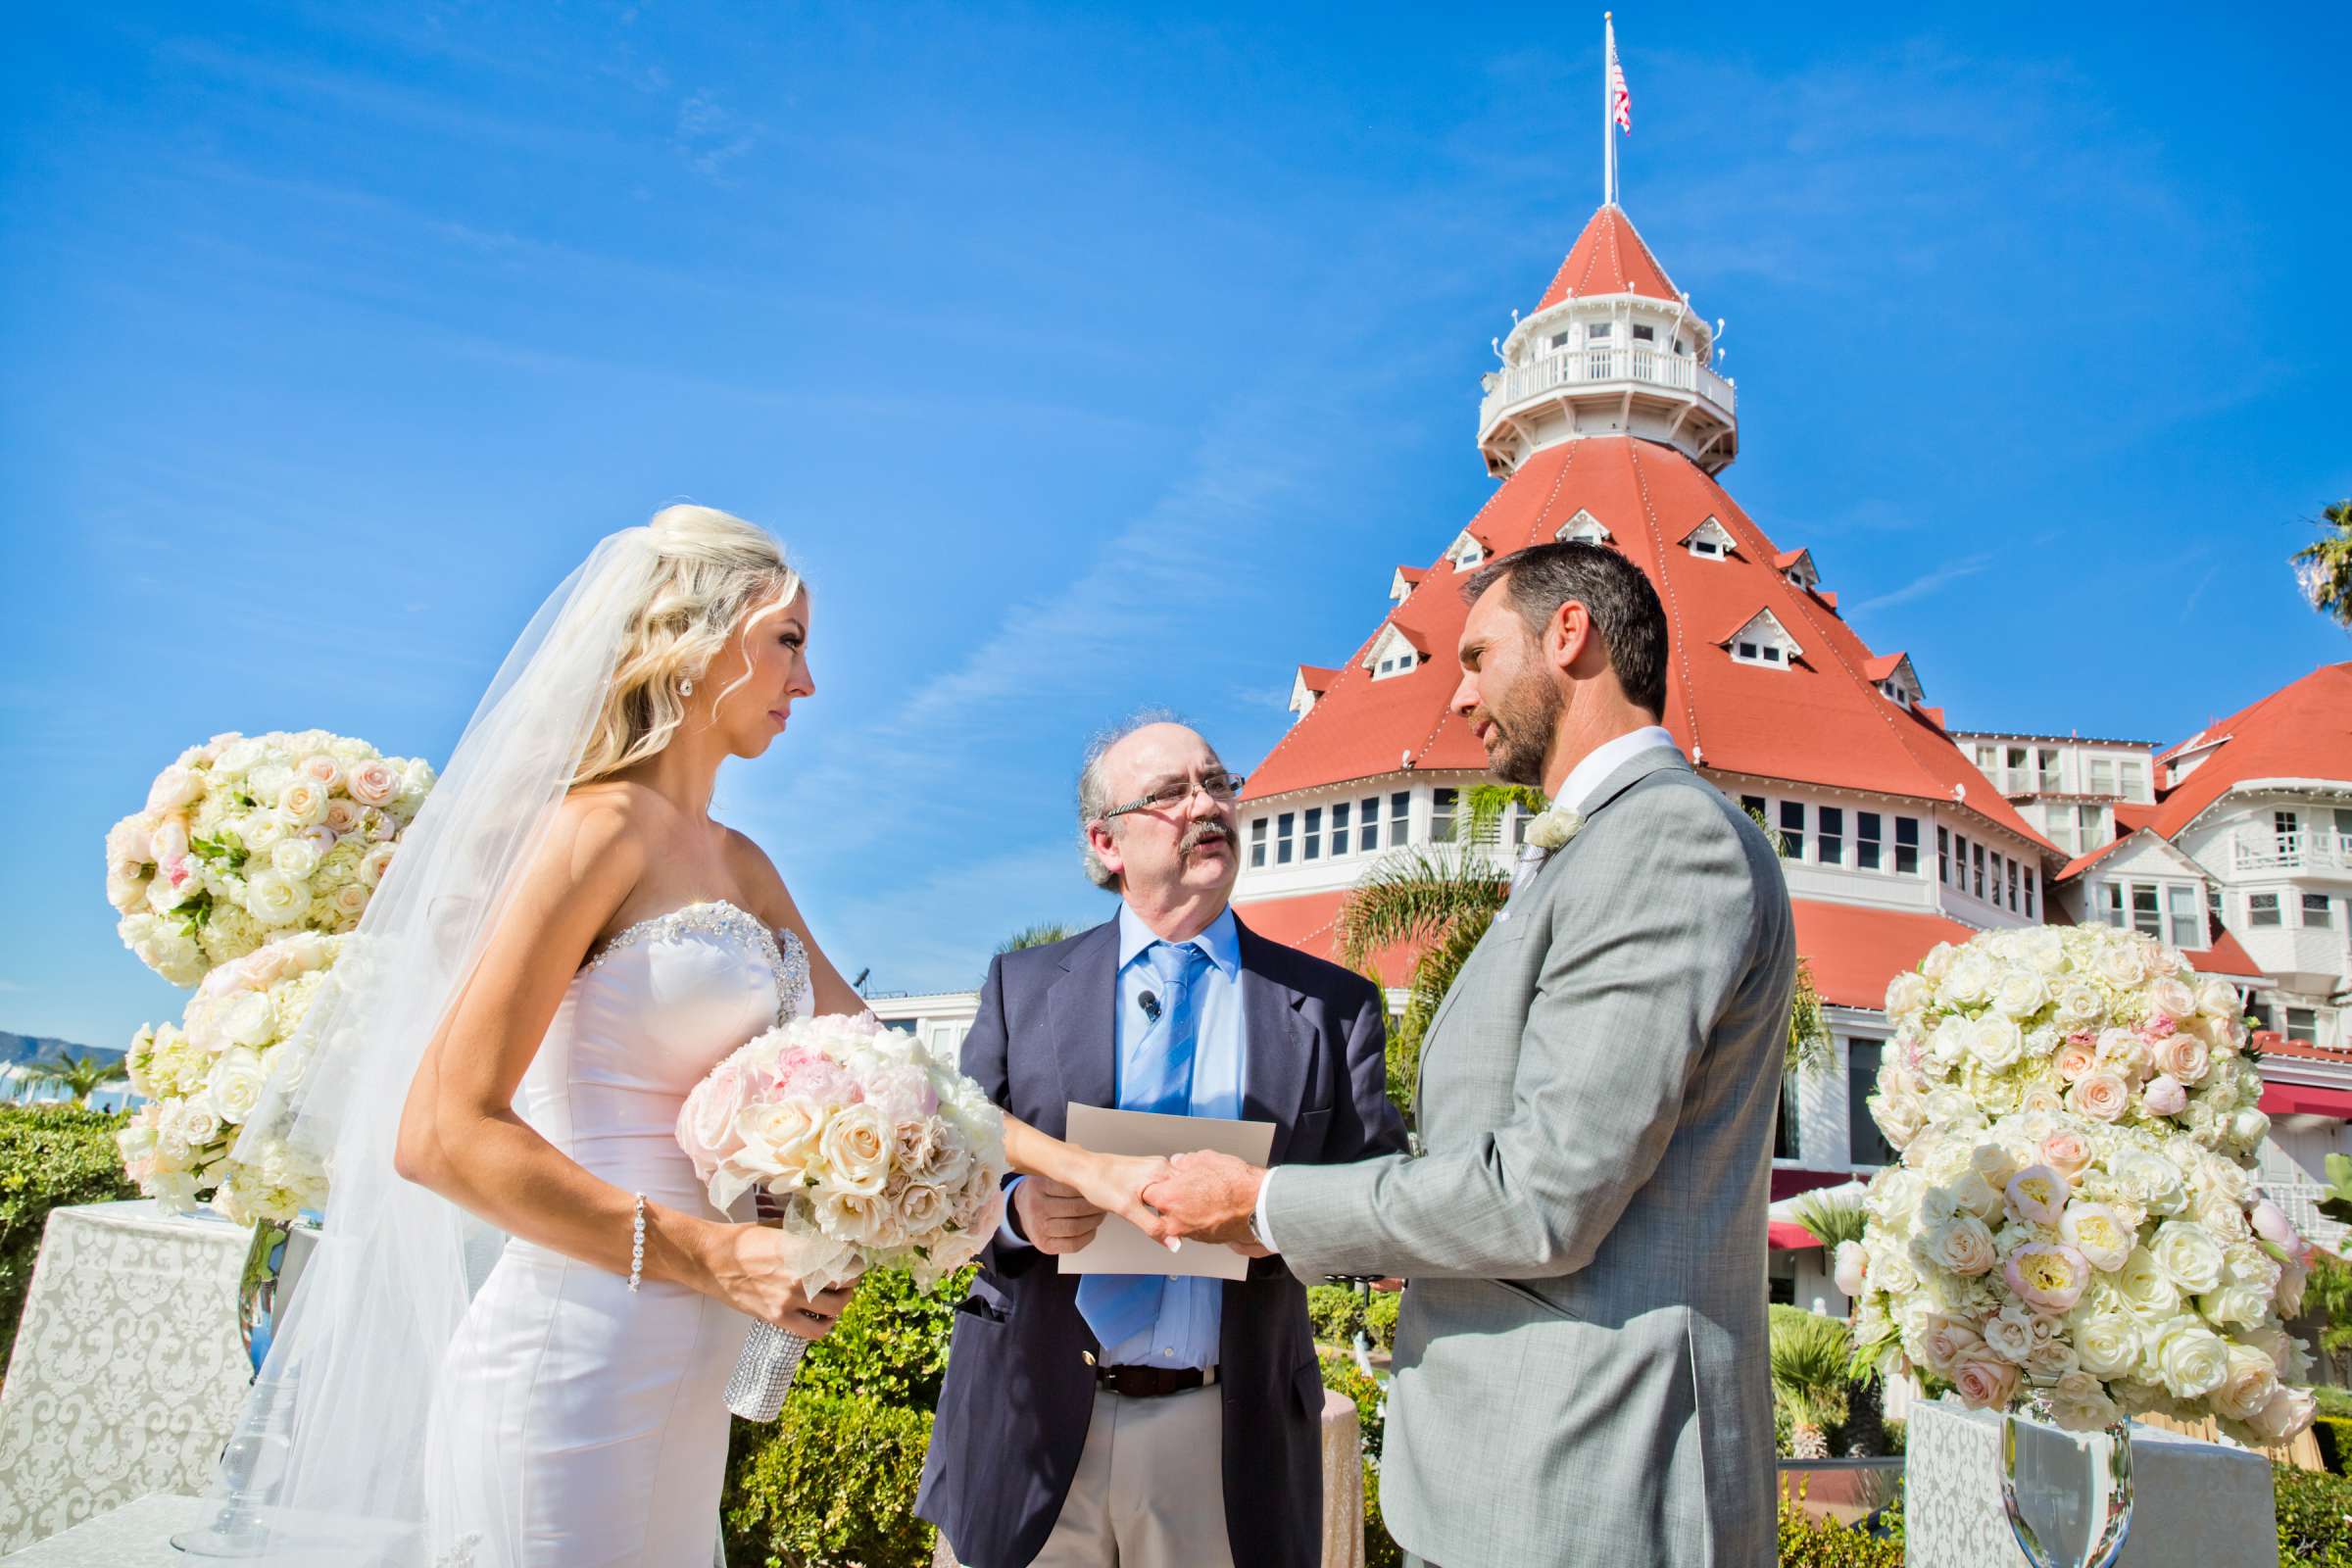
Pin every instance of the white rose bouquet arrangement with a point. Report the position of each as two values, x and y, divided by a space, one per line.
204 1077
869 1152
246 838
2074 1220
2109 1025
2112 1270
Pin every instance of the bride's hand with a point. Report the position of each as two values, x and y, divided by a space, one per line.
750 1277
1115 1183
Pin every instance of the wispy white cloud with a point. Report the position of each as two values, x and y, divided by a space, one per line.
1926 583
711 136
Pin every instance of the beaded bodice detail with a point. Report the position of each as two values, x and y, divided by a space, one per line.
787 960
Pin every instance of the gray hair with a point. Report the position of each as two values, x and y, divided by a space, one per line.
1093 786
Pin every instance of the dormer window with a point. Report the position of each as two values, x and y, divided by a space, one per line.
1392 654
1466 553
1895 694
1710 540
1764 641
1796 566
1583 528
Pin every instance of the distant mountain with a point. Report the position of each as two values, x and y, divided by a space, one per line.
18 1049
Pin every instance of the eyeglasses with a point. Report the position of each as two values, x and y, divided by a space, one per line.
1178 793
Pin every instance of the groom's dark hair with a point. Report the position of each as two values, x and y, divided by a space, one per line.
1614 592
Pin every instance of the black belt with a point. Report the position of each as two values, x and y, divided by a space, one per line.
1152 1381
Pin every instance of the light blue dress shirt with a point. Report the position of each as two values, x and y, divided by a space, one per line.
1191 1310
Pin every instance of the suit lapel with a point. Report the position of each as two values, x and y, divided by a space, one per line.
1084 1007
1278 1047
1632 771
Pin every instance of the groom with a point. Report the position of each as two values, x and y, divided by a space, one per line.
1126 1421
1581 1360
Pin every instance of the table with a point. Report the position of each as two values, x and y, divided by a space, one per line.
136 1534
2194 1505
128 1369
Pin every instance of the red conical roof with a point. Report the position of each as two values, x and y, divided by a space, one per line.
1609 258
1820 720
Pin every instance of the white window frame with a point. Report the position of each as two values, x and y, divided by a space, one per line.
1585 528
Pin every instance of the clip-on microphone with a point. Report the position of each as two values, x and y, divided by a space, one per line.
1150 1006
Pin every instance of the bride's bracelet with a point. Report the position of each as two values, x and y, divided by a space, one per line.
637 1246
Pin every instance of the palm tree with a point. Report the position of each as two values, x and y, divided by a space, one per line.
1437 899
1042 935
80 1076
1808 1025
2324 567
1810 1353
1834 1221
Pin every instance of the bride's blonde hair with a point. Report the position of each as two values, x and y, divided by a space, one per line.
710 568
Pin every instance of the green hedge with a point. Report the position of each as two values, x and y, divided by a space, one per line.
1380 1320
50 1156
2315 1518
831 1482
1336 1313
890 1345
1807 1541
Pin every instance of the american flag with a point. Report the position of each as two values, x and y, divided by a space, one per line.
1621 98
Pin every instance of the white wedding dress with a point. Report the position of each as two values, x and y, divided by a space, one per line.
576 1423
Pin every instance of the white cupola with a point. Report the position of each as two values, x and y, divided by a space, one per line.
1612 349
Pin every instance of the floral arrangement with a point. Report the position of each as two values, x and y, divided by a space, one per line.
247 838
875 1152
2075 1219
204 1077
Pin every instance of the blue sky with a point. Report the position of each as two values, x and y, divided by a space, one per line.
1087 358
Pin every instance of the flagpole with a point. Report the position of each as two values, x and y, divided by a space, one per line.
1608 142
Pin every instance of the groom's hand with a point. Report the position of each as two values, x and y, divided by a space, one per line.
1210 1197
1054 1217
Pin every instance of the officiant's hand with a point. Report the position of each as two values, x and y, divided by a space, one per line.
1208 1196
1056 1218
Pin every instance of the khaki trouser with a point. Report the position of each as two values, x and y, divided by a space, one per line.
1150 1491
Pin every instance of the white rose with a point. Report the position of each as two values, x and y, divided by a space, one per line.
1906 993
2188 1255
855 1148
321 771
923 1210
2019 994
249 1020
236 1084
302 802
2107 1343
2235 1307
2148 1180
1969 980
296 857
175 787
2078 1402
2173 998
2288 1414
372 782
2190 1359
1961 1244
2216 998
2009 1334
2145 1288
1997 1042
275 899
349 902
2118 965
261 831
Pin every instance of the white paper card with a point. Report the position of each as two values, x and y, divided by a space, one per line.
1119 1247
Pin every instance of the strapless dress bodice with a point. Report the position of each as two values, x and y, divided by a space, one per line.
652 1010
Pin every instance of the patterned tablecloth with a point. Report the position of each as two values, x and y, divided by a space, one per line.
128 1368
2194 1505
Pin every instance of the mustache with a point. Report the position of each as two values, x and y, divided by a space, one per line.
1200 833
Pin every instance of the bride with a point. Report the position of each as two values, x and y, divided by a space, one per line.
565 943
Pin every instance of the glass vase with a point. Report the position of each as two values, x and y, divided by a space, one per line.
2068 1495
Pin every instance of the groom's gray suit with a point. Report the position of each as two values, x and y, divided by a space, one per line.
1581 1363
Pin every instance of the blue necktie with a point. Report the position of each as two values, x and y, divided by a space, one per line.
1157 1076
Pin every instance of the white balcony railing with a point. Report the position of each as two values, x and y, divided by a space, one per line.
2293 851
1587 366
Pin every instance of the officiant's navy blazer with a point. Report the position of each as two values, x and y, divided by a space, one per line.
1020 1383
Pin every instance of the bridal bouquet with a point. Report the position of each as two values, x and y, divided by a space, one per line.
870 1152
2110 1025
204 1077
2075 1217
246 838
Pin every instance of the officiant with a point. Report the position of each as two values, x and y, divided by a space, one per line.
1150 1421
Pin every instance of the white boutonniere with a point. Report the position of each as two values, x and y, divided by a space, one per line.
1551 830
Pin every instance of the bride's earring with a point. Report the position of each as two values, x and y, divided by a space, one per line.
685 685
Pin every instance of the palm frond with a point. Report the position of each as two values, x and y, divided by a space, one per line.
1810 1359
1411 896
1830 1220
1481 821
1808 1023
2324 567
1042 935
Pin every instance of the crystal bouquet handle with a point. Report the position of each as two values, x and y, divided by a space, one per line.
763 1372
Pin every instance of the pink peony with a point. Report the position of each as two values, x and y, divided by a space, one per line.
2164 1097
2270 1223
1853 1267
2038 1195
2047 1278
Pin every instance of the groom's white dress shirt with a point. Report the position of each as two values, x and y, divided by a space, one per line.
1574 793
